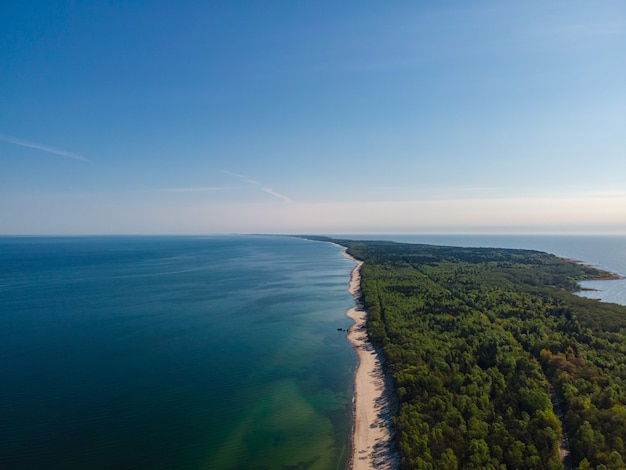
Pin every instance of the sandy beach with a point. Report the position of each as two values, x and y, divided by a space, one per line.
371 437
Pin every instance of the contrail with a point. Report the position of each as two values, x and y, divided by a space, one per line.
194 190
43 148
257 184
279 196
245 178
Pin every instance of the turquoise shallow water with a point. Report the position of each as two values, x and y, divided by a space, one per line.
174 352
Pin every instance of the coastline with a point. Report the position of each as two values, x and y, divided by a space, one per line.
611 275
371 440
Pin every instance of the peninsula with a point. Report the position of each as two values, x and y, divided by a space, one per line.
491 357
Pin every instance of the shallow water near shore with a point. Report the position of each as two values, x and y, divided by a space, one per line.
174 352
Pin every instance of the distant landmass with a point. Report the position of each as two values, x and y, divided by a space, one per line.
494 360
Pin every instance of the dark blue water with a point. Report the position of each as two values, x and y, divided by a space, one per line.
166 352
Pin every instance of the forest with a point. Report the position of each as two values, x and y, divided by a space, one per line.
495 361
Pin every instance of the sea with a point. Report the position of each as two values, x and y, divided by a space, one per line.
174 353
216 352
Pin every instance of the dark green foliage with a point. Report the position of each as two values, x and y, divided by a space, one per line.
473 339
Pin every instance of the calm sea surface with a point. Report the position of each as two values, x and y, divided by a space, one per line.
193 352
174 352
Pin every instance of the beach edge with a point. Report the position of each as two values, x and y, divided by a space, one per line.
371 443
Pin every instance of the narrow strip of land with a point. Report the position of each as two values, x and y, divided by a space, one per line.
372 446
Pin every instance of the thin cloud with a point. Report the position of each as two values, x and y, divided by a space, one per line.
278 195
242 177
269 191
195 190
479 188
43 148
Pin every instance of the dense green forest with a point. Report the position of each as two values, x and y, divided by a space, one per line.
486 347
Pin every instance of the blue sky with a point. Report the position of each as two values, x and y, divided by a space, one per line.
316 117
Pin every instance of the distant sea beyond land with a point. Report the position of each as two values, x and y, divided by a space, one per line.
606 252
195 352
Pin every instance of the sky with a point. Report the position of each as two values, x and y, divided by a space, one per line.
206 117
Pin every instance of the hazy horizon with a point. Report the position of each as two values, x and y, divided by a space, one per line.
326 234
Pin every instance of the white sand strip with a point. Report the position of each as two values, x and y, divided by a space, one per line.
371 438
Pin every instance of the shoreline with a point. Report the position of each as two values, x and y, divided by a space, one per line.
611 275
371 440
